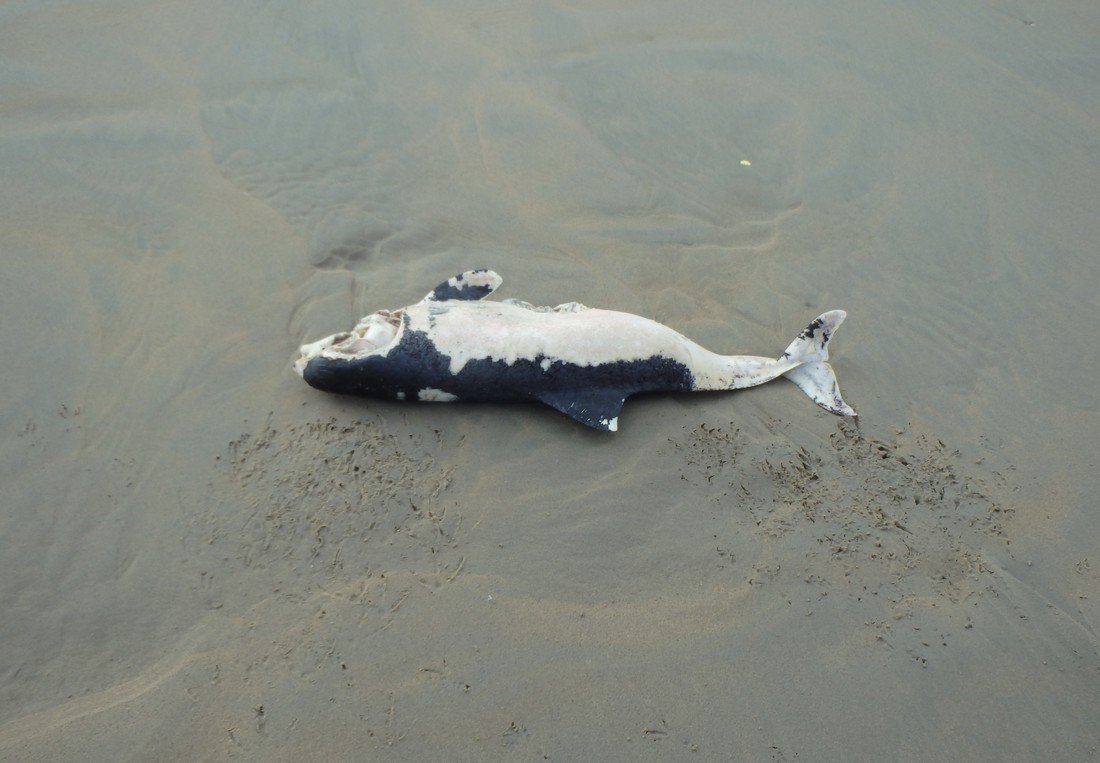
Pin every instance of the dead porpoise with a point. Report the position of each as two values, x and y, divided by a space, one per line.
582 361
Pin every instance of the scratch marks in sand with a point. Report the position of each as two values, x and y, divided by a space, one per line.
908 521
329 502
331 532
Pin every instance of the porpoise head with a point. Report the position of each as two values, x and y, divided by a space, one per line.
375 333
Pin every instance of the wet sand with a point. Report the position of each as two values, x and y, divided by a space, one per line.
202 558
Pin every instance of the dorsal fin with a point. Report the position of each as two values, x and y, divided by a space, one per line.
597 408
473 284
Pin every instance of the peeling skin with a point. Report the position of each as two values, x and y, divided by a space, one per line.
584 362
435 396
374 332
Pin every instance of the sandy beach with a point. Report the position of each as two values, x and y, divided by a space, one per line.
202 558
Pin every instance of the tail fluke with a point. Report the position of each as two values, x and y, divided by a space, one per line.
815 376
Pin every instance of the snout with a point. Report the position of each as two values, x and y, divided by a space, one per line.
308 352
317 374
